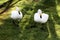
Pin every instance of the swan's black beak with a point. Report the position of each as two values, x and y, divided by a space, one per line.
40 15
19 12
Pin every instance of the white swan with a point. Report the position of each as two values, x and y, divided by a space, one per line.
40 17
16 14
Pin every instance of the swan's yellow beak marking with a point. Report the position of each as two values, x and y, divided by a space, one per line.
41 14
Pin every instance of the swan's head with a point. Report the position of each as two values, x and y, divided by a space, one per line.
17 8
39 11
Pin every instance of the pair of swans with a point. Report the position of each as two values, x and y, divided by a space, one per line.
38 17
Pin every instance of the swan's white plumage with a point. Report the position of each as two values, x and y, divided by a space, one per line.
41 20
15 14
44 18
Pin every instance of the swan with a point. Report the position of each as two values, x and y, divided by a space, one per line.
16 14
40 17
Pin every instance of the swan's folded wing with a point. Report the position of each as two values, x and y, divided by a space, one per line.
44 18
14 15
37 17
